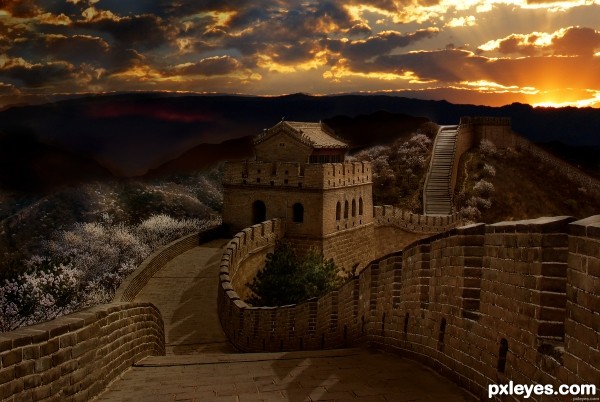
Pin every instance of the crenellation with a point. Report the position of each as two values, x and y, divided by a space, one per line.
290 175
471 278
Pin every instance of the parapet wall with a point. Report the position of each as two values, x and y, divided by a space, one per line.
292 174
482 304
136 281
74 357
473 130
387 215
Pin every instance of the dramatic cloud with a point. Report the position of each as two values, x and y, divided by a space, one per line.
564 42
493 50
218 65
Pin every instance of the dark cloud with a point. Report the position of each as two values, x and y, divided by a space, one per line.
20 8
577 41
571 41
360 29
36 75
7 89
443 65
382 43
140 31
218 65
75 50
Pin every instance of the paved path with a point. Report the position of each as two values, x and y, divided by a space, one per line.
202 366
335 375
185 292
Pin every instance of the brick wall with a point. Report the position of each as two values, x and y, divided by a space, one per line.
498 131
582 324
481 304
74 357
388 215
134 283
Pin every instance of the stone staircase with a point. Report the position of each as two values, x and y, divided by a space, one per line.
437 199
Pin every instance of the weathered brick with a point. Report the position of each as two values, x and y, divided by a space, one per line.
32 381
7 374
12 357
31 352
61 356
49 347
11 388
24 368
67 340
43 364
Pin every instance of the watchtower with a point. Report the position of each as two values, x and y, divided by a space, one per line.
300 174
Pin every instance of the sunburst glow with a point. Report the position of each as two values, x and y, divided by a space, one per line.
492 50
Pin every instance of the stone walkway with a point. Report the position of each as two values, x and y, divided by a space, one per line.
202 366
185 292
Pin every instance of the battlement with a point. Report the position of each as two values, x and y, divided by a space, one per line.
299 175
485 121
481 303
388 215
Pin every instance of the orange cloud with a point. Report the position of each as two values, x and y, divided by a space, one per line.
563 42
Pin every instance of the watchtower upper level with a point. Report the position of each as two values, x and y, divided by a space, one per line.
298 175
301 142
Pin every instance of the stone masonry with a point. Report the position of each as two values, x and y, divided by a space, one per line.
482 304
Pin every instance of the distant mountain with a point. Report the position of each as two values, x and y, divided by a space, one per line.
29 166
205 155
380 127
133 133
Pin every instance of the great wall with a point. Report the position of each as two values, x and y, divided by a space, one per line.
480 304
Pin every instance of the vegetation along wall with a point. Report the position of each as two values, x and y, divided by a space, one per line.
74 357
482 304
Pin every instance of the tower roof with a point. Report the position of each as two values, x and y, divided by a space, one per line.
316 135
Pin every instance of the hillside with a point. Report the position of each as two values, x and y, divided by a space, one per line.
28 221
522 187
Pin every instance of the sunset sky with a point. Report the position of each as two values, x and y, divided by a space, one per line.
491 52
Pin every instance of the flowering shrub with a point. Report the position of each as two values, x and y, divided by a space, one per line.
483 188
470 213
398 169
84 266
479 203
39 296
487 148
488 170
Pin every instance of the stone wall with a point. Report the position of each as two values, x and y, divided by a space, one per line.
74 357
388 215
498 131
134 283
293 174
482 304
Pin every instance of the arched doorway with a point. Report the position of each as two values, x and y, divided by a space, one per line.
298 213
259 212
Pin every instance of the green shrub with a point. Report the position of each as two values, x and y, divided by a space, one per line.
288 278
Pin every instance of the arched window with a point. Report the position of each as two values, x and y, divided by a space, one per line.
298 213
353 207
259 212
360 206
338 211
346 210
